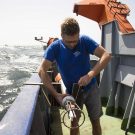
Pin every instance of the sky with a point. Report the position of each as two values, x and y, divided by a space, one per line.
22 20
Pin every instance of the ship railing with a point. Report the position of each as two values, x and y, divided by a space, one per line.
24 117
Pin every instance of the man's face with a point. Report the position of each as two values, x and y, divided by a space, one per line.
70 41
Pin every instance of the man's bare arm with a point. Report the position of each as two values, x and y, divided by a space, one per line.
104 56
45 65
101 64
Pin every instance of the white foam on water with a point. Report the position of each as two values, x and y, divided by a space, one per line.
16 65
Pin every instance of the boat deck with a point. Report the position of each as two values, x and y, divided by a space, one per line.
110 125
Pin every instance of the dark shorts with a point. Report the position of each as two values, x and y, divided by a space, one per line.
91 99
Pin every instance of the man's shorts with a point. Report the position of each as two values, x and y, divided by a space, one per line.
91 99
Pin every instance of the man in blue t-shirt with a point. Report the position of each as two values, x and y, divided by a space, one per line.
72 56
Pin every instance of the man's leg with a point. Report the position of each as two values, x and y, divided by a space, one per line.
96 127
94 108
74 123
74 131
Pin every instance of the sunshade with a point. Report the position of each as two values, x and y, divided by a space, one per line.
103 11
90 10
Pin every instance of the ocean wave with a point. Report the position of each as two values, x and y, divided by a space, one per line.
17 64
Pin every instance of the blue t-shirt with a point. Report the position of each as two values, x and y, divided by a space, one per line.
72 63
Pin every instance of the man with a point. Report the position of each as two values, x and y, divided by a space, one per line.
72 55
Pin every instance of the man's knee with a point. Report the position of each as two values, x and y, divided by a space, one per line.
95 121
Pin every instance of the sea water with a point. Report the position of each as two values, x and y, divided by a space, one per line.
16 66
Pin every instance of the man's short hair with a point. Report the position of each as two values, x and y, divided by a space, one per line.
70 27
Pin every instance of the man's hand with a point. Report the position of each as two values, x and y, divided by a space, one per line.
59 97
84 80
